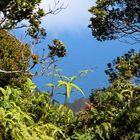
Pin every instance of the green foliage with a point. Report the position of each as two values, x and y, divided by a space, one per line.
14 56
83 73
26 114
115 19
13 12
68 86
66 82
57 49
113 114
125 67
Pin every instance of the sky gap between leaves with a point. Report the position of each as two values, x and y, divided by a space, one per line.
74 18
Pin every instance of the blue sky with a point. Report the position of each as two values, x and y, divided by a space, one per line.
84 52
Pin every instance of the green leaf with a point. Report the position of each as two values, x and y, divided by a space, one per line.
77 88
73 78
69 86
29 84
50 85
136 136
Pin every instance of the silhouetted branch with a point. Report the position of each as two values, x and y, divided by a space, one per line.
58 7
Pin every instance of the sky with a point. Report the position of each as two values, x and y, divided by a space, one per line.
84 52
74 16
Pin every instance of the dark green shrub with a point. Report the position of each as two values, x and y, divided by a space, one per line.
14 56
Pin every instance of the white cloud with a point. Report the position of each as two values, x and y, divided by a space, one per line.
74 17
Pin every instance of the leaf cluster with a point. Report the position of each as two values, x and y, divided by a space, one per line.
14 56
112 114
57 49
27 114
115 19
126 67
15 11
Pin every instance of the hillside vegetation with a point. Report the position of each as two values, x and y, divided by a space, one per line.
26 113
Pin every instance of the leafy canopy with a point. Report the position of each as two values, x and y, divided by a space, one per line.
126 67
115 113
115 19
13 12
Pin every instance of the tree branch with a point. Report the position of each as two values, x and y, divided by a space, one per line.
12 72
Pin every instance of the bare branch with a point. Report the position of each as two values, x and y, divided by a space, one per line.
12 72
58 7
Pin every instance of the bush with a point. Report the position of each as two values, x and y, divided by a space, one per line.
26 114
112 114
14 56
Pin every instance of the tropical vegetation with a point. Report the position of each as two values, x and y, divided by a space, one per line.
26 113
